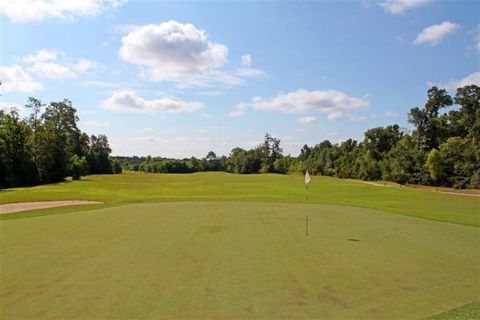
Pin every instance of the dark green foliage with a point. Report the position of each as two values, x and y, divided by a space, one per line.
47 147
444 149
98 156
17 165
435 165
391 154
78 167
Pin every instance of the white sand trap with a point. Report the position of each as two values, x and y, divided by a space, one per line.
25 206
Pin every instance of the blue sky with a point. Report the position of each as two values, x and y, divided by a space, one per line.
181 78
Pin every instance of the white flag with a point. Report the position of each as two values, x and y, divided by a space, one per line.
307 177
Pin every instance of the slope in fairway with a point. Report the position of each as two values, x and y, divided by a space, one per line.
235 260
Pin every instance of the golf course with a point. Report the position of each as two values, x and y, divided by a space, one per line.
223 246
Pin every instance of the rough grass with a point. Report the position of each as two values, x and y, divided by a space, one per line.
140 187
214 260
469 311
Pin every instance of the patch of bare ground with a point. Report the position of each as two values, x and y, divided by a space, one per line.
25 206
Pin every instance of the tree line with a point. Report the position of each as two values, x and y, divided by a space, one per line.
48 146
443 150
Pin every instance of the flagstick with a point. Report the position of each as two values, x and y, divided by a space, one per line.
307 180
306 225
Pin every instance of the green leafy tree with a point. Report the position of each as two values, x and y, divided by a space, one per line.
17 167
98 156
78 167
435 165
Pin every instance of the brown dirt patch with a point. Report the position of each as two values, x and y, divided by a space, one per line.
328 295
25 206
300 293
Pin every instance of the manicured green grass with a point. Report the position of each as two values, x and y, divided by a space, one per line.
210 260
139 187
466 312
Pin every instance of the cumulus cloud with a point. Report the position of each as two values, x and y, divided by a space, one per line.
128 100
174 51
399 6
16 79
473 78
23 11
51 70
181 53
332 102
53 64
434 34
307 120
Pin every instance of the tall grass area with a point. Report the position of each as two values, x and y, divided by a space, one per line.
134 187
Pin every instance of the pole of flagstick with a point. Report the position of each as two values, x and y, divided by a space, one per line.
306 218
306 225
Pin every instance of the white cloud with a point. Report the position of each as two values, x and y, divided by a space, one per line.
333 116
52 64
97 83
434 34
246 71
250 73
473 78
307 120
332 102
246 60
181 53
22 11
399 6
84 65
213 93
16 79
127 100
173 51
42 55
51 70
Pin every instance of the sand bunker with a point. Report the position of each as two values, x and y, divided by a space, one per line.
25 206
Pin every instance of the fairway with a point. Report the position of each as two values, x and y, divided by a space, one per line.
240 260
134 187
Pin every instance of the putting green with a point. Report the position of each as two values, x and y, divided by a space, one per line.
235 260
